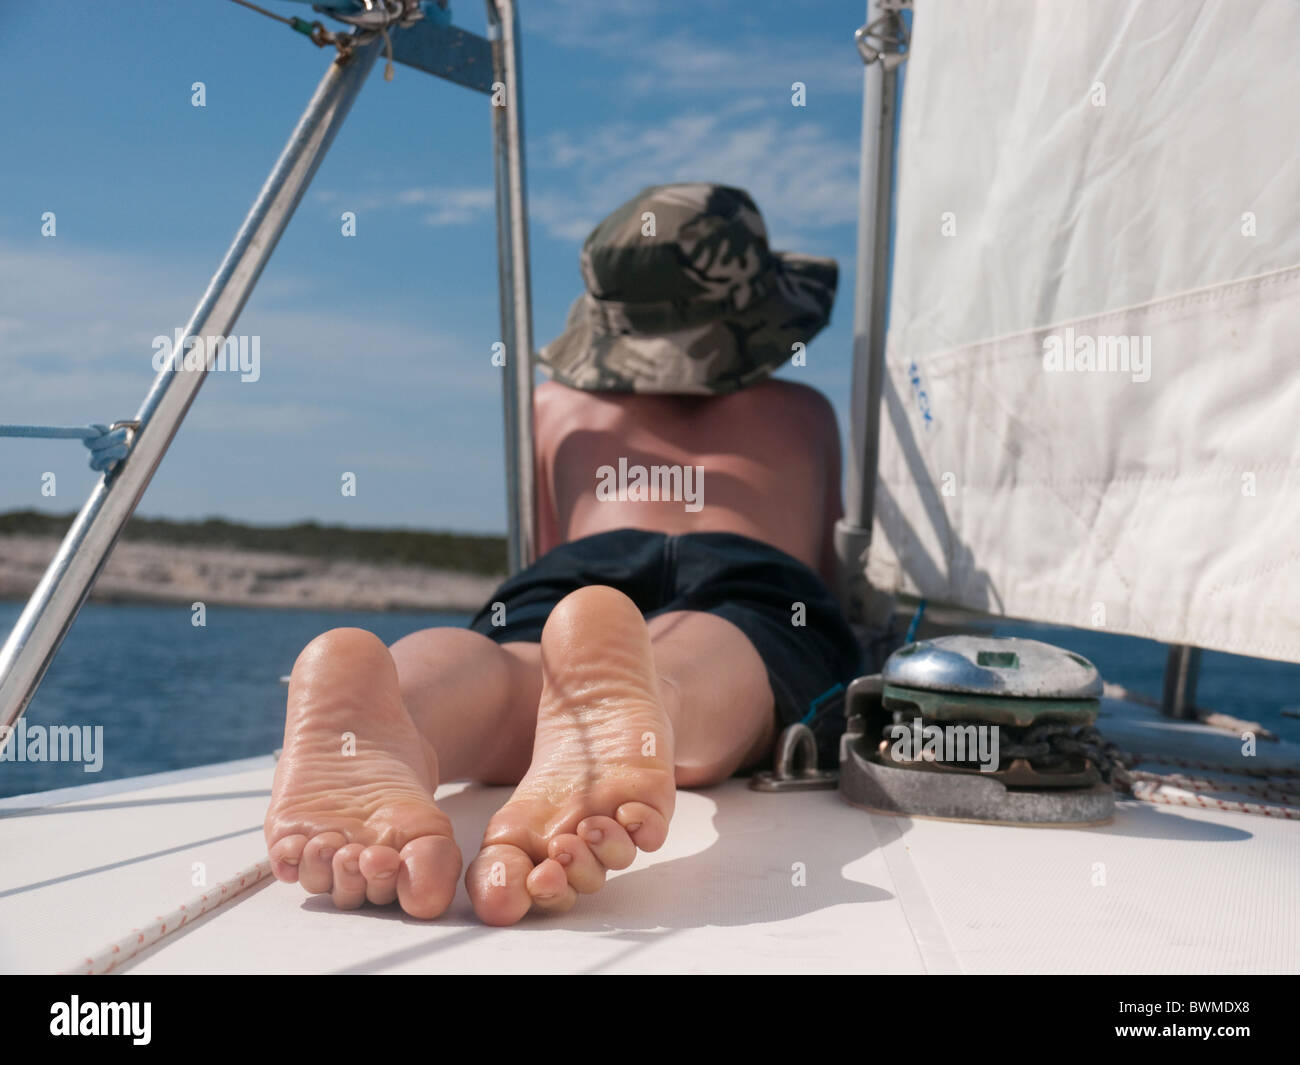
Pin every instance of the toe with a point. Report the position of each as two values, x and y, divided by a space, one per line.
646 825
286 856
585 874
349 885
426 881
550 889
609 842
497 884
379 866
316 871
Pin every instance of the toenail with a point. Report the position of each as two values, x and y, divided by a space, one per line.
593 835
385 876
290 861
326 853
564 858
633 827
352 867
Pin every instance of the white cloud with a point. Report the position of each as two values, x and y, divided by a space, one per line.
605 25
803 179
337 381
449 206
655 61
273 419
740 127
76 345
753 63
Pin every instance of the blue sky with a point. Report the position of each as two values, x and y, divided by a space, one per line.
375 350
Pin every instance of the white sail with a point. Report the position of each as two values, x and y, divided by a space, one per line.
1099 184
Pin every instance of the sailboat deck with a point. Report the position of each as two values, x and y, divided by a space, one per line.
748 882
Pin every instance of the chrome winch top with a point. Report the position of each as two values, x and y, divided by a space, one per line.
993 665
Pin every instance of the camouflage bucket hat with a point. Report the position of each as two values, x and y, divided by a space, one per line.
684 295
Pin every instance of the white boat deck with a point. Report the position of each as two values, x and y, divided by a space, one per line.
1182 890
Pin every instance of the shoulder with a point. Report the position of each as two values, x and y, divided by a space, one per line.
790 392
552 402
547 395
801 402
548 408
554 398
558 409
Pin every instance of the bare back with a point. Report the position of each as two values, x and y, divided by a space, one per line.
763 462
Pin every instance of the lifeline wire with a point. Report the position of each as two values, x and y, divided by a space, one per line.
314 31
320 36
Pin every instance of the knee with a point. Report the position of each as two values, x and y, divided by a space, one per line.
444 642
422 656
446 658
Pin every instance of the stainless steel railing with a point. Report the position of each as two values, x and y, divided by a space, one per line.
516 296
882 44
63 589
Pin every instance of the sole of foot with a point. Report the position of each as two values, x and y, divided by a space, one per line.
352 812
601 784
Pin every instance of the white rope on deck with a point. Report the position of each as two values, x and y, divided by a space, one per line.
128 947
1171 795
1179 789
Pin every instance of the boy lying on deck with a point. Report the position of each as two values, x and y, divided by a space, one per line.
657 643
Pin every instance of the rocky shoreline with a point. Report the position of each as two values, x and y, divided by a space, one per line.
145 572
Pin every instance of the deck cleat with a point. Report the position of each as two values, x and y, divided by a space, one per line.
979 728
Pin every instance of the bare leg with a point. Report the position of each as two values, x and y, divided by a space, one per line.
473 701
723 716
626 712
361 824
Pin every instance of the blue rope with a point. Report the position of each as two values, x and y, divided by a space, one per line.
916 623
107 446
812 707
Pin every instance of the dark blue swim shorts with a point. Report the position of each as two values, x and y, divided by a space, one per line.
753 585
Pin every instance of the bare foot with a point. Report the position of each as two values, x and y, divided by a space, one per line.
352 808
601 784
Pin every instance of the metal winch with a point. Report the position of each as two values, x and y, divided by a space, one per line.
978 728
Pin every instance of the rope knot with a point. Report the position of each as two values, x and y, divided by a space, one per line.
110 445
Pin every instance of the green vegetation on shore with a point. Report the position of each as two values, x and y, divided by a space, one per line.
462 552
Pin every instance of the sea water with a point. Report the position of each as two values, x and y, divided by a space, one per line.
169 695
